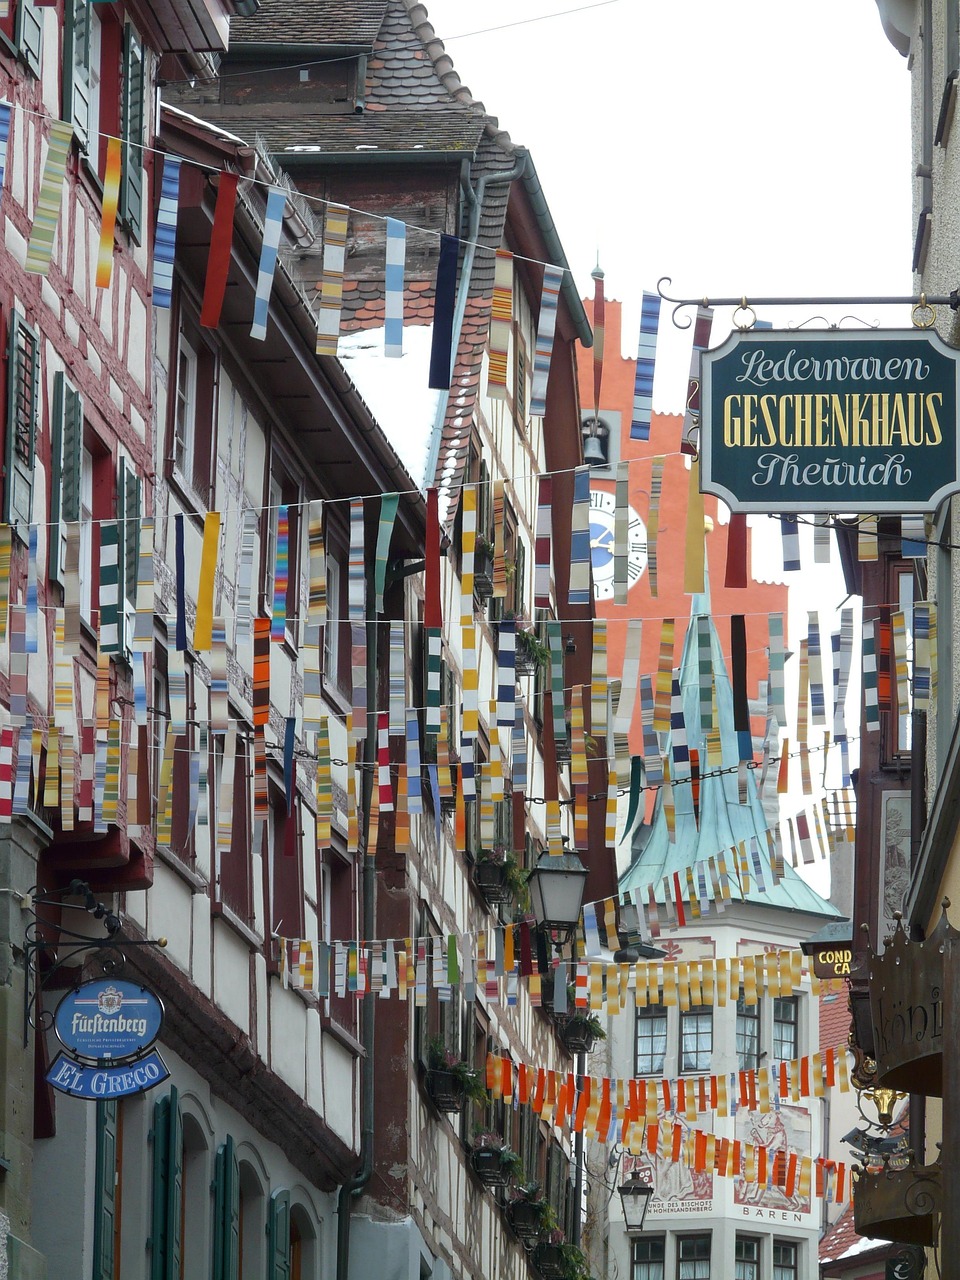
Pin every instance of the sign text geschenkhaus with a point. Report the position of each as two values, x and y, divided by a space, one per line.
839 421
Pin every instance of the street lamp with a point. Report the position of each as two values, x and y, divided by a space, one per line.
635 1195
557 885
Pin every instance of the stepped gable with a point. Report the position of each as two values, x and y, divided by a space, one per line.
311 22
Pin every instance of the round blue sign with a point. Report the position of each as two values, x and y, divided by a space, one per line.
108 1019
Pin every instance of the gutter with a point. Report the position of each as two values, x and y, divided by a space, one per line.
369 155
353 1188
475 200
548 229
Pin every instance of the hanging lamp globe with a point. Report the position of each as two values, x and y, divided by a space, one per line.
557 885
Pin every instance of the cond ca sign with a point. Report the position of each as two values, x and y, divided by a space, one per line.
842 421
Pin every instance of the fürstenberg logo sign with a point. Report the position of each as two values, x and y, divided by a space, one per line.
843 421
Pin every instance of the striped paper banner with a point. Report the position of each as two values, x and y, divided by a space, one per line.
389 504
281 576
579 588
913 535
221 244
555 645
501 319
599 686
165 240
5 110
413 767
542 543
691 418
790 535
664 679
546 332
871 704
331 289
47 215
818 711
396 251
109 587
203 624
244 607
898 624
108 215
621 532
506 671
357 608
397 691
272 230
653 522
646 359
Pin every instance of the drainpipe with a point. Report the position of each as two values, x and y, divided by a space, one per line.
475 201
367 1024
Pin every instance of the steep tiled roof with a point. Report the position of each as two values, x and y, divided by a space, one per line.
842 1241
433 131
311 22
492 159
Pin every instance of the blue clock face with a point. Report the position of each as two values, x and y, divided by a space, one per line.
601 544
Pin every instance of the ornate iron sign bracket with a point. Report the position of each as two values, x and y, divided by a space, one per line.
68 944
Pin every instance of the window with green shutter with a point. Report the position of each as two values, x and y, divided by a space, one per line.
278 1236
23 391
226 1213
129 498
28 34
166 1219
133 122
78 51
105 1192
66 452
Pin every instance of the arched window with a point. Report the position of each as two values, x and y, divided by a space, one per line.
252 1233
194 1201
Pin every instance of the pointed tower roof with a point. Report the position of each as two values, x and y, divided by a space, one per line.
723 821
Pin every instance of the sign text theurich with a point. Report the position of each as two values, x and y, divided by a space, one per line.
844 421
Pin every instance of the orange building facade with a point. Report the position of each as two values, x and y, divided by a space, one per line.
757 601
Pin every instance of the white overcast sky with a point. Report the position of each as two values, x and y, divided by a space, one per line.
756 147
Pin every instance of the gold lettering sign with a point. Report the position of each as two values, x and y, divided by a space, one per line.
832 962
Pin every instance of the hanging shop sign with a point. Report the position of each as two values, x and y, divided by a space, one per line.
108 1020
109 1081
842 421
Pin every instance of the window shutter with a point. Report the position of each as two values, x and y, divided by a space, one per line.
278 1237
132 127
226 1226
66 451
174 1165
29 35
76 68
128 520
22 393
105 1191
161 1170
519 575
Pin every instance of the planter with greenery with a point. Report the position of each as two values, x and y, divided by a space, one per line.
526 1211
531 655
499 876
494 1163
555 1259
483 568
450 1080
579 1030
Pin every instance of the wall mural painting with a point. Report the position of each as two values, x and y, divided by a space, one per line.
677 1188
787 1131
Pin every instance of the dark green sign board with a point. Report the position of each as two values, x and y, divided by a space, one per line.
842 421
